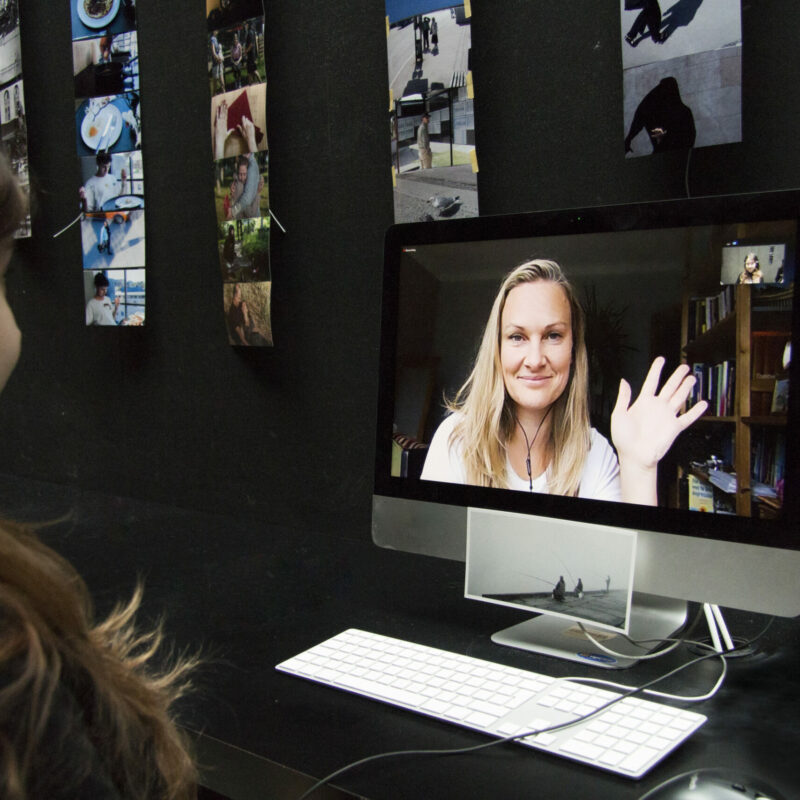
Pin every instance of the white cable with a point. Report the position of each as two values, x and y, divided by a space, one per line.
665 695
67 227
644 657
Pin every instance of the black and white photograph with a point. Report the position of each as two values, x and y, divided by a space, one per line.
549 566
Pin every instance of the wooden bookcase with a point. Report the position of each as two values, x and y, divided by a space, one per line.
750 340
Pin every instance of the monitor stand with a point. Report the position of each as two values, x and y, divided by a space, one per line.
653 618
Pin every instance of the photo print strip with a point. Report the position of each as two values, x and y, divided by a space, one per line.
434 160
108 142
238 124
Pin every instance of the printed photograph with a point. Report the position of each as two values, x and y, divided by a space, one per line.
10 46
236 56
242 186
432 121
113 239
107 65
682 74
244 250
13 127
239 122
114 297
247 313
112 182
109 124
546 566
93 17
223 13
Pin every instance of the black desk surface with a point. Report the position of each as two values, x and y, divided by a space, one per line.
252 595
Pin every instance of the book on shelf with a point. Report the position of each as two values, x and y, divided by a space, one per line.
716 384
701 495
780 397
706 312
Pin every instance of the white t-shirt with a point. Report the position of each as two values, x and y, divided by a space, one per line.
599 479
100 312
98 190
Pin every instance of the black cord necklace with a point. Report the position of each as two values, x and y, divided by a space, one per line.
532 443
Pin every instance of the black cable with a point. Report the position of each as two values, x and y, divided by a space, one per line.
494 742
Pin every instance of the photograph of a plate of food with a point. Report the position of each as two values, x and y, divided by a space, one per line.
97 13
129 201
101 129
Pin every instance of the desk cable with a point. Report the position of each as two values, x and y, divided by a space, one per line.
627 691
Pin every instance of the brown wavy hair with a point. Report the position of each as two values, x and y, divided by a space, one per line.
66 680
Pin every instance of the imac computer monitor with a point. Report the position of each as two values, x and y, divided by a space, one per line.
708 283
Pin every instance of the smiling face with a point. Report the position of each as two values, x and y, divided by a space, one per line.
751 262
536 346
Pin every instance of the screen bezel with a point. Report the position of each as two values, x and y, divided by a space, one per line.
651 215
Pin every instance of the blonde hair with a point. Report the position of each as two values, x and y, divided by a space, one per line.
487 412
65 676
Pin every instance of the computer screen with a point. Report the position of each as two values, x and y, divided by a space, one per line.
668 280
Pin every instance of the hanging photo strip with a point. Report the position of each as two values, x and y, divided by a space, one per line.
108 141
13 130
238 123
681 75
432 121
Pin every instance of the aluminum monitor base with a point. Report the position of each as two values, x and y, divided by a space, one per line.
653 619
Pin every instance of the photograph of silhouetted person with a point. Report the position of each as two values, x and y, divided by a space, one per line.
669 122
648 18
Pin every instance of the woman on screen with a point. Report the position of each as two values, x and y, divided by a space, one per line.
521 419
752 270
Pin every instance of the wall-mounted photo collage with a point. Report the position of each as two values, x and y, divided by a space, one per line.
13 128
238 123
432 121
108 142
681 74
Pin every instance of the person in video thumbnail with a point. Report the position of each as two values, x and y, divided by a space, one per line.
521 419
752 271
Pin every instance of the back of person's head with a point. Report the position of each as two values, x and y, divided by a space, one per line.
83 711
80 703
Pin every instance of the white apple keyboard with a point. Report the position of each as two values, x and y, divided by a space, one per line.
628 737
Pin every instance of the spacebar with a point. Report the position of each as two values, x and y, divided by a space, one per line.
376 689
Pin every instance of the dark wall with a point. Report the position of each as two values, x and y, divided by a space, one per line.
171 412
